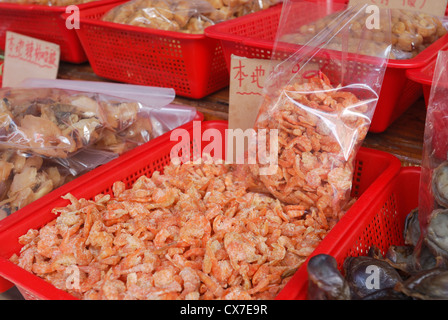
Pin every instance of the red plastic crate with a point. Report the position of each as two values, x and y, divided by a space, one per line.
424 76
381 224
44 23
192 64
374 171
253 36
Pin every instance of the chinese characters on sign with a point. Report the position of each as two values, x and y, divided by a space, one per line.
27 57
436 8
255 76
247 77
29 50
417 4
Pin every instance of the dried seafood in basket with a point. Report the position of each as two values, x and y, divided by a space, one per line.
320 128
321 103
193 232
59 123
50 136
25 179
403 272
412 32
191 16
433 195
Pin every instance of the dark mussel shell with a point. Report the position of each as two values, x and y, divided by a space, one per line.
440 184
436 237
426 285
412 228
325 282
401 258
367 275
387 294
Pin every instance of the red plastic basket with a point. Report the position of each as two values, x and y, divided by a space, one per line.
424 76
374 171
192 64
380 224
253 36
45 23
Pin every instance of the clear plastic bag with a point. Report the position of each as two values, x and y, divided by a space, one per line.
172 15
58 123
321 101
191 16
35 161
229 9
154 97
433 192
411 31
155 116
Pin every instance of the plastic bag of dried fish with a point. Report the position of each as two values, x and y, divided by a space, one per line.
171 15
191 16
58 123
321 101
433 192
229 9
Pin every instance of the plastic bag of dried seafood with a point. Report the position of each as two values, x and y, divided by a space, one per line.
51 3
189 16
49 136
411 31
229 9
172 15
433 196
58 123
321 100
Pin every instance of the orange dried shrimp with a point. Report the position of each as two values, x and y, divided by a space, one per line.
319 131
193 232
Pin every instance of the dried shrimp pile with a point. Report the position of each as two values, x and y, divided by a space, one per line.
193 232
320 129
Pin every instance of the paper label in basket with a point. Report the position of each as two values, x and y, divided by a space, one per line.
27 57
432 7
247 80
247 77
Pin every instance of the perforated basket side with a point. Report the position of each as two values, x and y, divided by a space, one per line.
193 65
375 169
379 224
45 25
